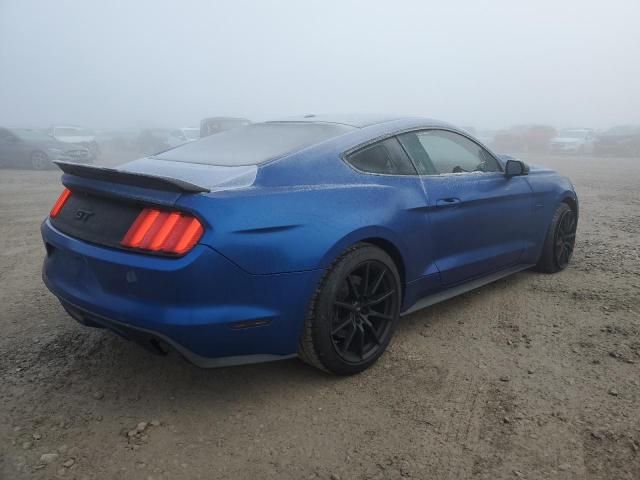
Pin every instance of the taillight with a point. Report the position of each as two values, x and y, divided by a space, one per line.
163 231
64 196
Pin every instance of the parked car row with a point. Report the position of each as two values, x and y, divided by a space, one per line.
154 140
573 140
149 141
38 148
616 141
34 148
622 140
84 137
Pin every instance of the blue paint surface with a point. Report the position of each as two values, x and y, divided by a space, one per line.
273 229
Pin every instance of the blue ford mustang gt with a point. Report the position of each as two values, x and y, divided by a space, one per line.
307 237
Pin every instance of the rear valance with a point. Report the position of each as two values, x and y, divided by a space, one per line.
130 178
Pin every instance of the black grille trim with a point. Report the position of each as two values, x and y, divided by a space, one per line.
96 219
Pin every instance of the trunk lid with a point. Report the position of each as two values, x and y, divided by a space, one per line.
169 176
105 202
96 219
210 177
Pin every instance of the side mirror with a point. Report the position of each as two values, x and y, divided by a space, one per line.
515 168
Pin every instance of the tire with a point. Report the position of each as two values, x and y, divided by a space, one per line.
559 242
353 312
40 160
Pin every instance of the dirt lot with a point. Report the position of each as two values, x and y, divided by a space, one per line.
535 376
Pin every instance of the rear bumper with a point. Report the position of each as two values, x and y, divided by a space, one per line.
202 304
159 344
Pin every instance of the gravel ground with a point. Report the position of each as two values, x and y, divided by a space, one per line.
535 376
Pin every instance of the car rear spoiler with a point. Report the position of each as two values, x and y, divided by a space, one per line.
130 178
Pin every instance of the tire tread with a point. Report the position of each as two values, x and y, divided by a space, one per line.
547 262
307 351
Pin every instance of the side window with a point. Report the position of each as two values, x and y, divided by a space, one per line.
447 152
418 154
385 157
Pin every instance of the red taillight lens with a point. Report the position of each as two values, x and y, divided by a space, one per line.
161 231
64 196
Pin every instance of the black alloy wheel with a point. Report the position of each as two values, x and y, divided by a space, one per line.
363 311
353 312
560 240
565 238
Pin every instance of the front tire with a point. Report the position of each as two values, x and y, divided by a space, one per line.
353 313
560 241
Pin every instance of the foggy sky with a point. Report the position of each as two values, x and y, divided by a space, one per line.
170 63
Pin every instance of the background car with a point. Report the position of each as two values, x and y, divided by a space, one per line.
620 141
32 148
117 139
78 136
307 237
154 140
191 134
524 138
209 126
573 140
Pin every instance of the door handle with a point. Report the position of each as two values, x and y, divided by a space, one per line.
448 202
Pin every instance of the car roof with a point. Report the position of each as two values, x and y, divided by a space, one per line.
360 120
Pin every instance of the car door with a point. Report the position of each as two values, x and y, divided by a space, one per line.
478 216
408 213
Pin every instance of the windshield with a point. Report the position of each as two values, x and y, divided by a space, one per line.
191 133
580 134
254 143
72 132
31 134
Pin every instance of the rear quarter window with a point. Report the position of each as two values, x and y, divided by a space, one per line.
385 157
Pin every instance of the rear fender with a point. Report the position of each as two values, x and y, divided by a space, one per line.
359 235
549 190
278 230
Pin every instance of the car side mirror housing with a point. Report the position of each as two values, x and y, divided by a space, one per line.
515 168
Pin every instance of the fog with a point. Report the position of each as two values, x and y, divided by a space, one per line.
161 63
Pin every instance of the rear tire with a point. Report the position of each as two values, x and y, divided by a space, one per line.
560 241
353 313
